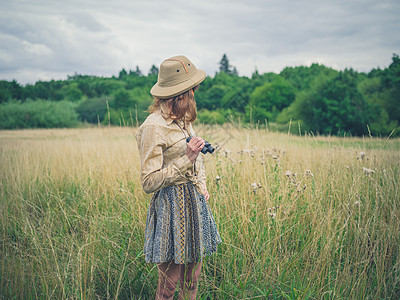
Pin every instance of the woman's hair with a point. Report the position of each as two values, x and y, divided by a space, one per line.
182 106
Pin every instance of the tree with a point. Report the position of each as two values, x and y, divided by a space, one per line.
235 72
332 105
225 67
391 83
153 70
92 110
123 99
138 72
269 99
122 74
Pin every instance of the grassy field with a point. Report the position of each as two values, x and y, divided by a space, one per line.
300 217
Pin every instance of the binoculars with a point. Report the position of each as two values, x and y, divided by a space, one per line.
207 147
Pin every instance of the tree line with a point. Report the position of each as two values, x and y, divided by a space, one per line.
317 98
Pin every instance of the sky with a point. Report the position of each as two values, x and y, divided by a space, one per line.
51 39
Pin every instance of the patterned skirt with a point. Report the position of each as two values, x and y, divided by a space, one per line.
179 226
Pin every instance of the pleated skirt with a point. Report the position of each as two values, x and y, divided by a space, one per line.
179 226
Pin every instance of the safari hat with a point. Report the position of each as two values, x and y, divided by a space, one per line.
177 75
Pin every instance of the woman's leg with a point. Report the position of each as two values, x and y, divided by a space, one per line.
189 278
168 277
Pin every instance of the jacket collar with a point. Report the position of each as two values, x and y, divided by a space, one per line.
165 113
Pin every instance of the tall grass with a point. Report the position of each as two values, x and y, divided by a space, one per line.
299 216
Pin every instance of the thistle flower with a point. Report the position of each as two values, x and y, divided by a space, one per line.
361 155
308 173
255 187
301 189
226 152
272 212
368 171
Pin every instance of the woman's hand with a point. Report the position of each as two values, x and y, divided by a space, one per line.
206 195
194 147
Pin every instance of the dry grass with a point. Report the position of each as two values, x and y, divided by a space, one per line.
299 216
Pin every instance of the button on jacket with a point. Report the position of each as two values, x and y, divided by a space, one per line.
162 148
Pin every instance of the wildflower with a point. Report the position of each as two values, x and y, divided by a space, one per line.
288 173
308 173
361 155
301 189
368 171
255 187
217 178
275 156
226 152
357 203
272 212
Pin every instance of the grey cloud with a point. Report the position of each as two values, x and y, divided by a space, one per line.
100 37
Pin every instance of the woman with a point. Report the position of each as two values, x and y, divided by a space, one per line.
180 228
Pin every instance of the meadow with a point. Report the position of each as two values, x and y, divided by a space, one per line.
301 217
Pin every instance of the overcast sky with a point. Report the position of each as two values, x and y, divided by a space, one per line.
50 39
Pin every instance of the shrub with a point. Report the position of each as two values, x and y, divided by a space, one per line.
92 110
210 117
37 114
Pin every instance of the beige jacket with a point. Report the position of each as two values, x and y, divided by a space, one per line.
162 148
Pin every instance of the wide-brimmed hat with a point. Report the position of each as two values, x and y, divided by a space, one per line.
177 75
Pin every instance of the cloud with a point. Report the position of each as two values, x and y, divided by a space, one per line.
50 39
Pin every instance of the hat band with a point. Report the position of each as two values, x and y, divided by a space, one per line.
181 61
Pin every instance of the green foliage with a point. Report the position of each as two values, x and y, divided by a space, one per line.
119 117
269 99
378 96
211 117
122 99
108 86
37 114
225 67
319 98
333 105
70 92
10 90
391 82
302 77
92 110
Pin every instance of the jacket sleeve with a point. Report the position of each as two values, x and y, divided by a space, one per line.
153 176
201 174
199 166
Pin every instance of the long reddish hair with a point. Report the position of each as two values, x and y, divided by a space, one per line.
182 106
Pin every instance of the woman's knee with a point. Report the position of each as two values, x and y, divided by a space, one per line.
168 277
190 274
